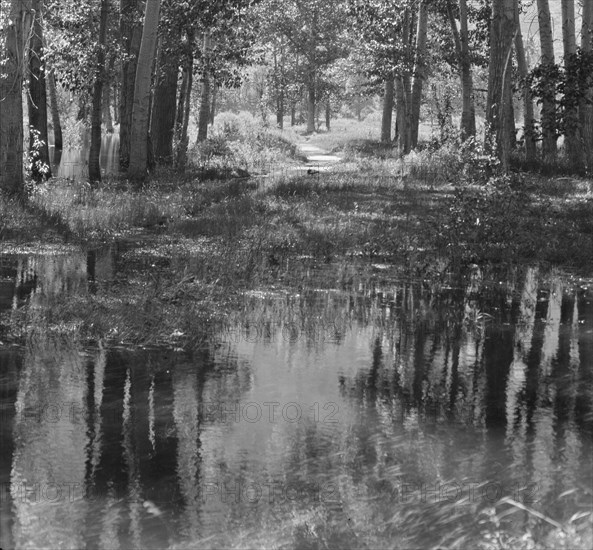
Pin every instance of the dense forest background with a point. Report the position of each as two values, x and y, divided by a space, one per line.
514 74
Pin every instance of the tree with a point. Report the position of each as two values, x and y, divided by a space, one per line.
37 99
528 114
571 114
11 110
586 102
131 35
95 148
498 103
548 117
386 118
461 39
137 170
204 115
419 70
312 30
55 114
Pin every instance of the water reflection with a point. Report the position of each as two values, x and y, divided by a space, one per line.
74 162
363 406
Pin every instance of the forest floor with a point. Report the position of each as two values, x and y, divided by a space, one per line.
424 215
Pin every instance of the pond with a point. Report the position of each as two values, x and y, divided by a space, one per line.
344 406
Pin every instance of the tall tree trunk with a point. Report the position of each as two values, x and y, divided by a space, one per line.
403 94
311 102
37 100
548 101
386 118
213 103
293 114
163 110
328 114
419 66
461 40
13 39
499 79
95 149
402 119
137 169
55 113
185 107
586 104
131 35
204 115
528 114
571 116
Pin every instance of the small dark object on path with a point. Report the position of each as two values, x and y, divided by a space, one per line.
312 172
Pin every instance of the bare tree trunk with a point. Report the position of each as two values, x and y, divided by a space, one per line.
419 65
311 102
586 104
185 108
403 95
461 39
548 101
95 148
387 117
37 101
571 121
205 99
499 79
13 39
528 114
137 170
328 114
213 103
163 110
402 122
55 114
131 33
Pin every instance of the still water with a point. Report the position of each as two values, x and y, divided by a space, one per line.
361 410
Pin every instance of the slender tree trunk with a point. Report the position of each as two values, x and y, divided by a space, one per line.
205 99
549 100
95 149
419 66
131 34
528 114
311 102
571 116
387 116
293 114
37 100
137 170
163 110
586 104
13 39
403 95
55 113
402 122
499 79
186 96
461 40
328 114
